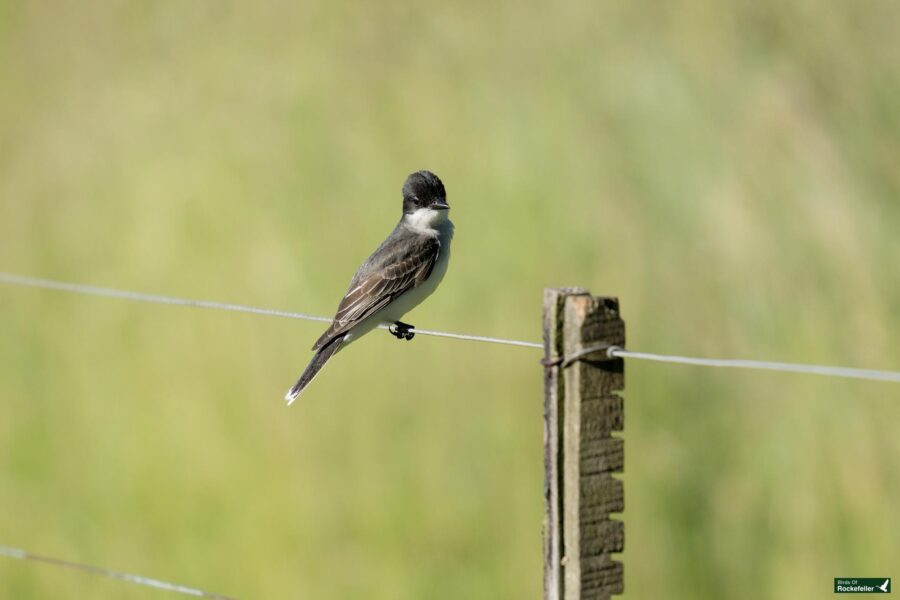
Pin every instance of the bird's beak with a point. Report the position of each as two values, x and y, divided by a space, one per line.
439 205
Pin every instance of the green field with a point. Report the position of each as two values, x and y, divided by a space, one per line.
728 170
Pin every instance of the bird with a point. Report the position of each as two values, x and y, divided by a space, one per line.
404 270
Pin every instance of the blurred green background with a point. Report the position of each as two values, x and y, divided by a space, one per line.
729 170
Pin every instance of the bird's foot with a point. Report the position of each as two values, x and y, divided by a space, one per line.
401 331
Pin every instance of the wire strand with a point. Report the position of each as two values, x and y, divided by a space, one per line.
852 373
78 288
869 374
20 554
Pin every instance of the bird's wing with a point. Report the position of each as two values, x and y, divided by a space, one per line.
392 274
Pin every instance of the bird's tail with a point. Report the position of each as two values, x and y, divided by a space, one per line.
317 362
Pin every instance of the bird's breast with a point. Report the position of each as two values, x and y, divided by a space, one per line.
405 303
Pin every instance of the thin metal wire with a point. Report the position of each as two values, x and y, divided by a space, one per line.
92 290
869 374
852 373
20 554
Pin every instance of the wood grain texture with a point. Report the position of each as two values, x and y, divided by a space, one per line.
554 303
582 411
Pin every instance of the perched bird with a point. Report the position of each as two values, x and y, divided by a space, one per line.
404 270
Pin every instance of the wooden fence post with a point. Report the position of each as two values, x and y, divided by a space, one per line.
581 410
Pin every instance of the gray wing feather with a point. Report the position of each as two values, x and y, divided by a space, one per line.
393 269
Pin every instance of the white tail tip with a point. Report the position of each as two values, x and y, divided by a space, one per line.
290 396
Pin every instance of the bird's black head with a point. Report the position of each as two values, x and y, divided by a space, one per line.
423 189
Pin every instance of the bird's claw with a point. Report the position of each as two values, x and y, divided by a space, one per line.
401 331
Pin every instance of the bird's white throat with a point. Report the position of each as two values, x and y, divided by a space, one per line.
425 220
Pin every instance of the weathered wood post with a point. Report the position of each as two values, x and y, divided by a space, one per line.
581 410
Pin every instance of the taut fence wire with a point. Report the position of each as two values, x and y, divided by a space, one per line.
78 288
159 584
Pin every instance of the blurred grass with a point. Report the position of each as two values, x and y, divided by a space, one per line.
728 170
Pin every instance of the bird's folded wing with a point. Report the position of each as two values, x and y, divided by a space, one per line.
374 289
